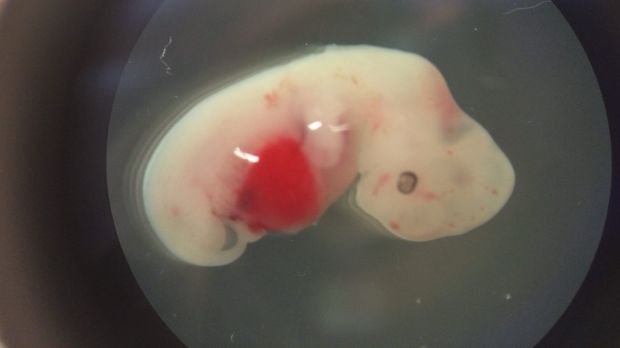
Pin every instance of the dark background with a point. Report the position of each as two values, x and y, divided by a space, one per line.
60 289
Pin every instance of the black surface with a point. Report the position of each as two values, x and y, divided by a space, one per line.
64 280
57 234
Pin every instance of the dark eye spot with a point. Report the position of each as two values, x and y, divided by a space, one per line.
407 182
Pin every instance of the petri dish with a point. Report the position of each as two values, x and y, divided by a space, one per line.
515 67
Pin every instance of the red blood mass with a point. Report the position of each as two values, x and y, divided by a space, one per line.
279 192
